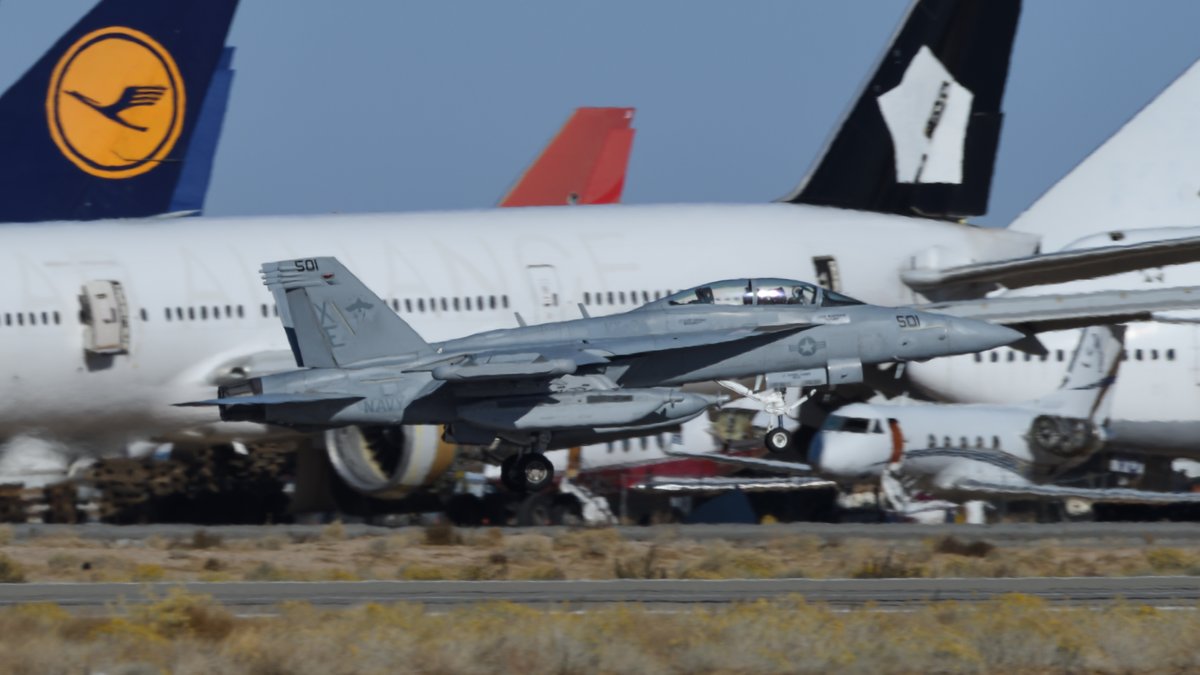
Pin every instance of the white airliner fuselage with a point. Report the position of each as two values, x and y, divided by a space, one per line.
197 311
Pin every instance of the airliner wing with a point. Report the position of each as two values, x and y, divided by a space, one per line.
1061 311
772 465
1053 268
721 484
1120 495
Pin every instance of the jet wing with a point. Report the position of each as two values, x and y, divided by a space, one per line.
1033 490
772 465
1053 268
555 359
1062 311
719 484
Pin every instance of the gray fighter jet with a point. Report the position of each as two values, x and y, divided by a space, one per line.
524 390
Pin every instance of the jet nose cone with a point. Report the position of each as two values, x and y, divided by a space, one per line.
969 335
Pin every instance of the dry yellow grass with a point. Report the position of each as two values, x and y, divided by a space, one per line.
447 553
189 634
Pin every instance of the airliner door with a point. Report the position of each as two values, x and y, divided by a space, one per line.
543 279
105 317
827 272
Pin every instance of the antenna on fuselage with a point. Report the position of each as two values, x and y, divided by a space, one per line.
520 321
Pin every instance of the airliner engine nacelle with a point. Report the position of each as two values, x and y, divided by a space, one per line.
388 462
1064 436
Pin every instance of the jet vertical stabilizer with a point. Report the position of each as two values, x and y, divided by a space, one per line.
1145 176
100 125
1090 375
920 139
332 319
583 164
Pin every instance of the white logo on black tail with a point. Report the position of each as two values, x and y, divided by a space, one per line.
927 116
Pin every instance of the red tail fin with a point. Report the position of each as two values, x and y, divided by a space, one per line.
583 164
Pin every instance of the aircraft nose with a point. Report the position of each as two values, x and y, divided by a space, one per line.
970 335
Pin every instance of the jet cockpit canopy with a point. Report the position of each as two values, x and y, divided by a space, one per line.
765 291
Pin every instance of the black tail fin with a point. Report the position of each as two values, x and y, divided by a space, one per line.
921 138
100 125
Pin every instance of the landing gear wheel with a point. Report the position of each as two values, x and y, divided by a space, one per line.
509 477
778 439
534 472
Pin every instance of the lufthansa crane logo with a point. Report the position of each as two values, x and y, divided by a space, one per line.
116 103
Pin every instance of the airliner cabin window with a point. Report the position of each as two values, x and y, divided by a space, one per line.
408 305
8 319
994 357
587 298
492 301
504 301
456 304
932 442
611 298
203 312
946 443
420 304
167 313
621 297
1058 355
1170 354
241 312
216 311
264 311
179 313
191 313
145 316
32 319
445 307
57 318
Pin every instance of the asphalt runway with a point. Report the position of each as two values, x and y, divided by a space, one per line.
1015 533
249 597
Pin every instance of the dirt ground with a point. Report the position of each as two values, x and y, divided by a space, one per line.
439 552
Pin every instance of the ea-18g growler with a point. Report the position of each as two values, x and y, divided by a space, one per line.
523 390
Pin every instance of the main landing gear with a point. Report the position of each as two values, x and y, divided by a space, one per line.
529 472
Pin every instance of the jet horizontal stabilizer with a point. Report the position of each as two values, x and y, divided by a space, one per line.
1043 313
1058 267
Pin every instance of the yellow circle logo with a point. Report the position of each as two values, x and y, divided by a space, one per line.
116 103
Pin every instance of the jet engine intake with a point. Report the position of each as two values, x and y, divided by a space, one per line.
388 462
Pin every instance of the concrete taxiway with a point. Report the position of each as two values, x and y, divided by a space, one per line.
1014 533
247 596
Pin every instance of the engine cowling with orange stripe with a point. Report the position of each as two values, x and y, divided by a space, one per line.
389 462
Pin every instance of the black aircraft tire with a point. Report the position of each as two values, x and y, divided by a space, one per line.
534 472
509 477
778 440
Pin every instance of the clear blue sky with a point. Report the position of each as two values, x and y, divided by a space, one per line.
377 105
